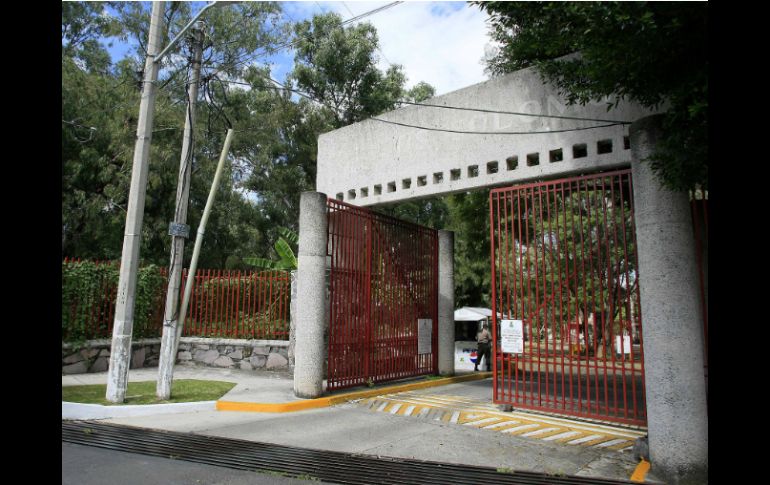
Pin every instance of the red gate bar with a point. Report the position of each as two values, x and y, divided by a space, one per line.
564 263
383 278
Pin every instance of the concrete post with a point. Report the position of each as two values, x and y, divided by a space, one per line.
170 324
672 323
311 284
446 303
293 321
123 326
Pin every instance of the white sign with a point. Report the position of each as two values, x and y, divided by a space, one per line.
424 335
512 336
626 345
465 355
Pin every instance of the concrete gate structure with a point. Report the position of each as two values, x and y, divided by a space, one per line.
511 130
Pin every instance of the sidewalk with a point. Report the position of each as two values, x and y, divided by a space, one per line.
255 391
262 408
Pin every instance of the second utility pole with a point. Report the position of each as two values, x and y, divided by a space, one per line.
179 230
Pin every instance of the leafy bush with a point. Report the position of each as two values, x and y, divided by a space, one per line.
88 300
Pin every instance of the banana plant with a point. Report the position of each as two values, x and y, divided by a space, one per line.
287 261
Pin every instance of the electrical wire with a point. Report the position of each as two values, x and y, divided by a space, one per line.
463 132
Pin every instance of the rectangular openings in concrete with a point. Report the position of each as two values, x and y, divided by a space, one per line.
351 194
406 184
364 192
438 177
473 171
511 162
492 167
422 180
339 196
391 186
455 174
626 143
580 150
604 146
555 155
378 189
533 159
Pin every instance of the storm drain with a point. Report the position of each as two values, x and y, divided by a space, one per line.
329 466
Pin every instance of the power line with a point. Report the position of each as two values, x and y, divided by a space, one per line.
428 128
482 110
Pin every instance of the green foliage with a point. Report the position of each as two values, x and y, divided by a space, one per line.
88 292
185 390
337 65
420 92
287 261
570 258
82 24
83 287
654 53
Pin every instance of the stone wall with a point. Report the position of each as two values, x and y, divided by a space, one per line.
94 355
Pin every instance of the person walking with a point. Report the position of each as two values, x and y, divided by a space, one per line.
483 339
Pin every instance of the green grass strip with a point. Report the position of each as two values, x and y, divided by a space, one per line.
183 390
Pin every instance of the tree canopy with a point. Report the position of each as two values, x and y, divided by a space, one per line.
653 53
275 149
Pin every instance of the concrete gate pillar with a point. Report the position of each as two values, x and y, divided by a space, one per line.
293 322
311 284
446 302
672 321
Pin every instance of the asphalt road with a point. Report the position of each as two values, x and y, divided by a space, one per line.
86 465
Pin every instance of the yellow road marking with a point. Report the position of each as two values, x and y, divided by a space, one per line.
465 411
641 471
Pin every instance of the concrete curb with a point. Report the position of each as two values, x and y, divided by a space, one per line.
73 410
322 402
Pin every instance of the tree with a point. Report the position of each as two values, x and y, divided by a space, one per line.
96 163
469 219
569 256
653 53
82 25
337 66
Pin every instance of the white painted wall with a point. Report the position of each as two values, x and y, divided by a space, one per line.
360 159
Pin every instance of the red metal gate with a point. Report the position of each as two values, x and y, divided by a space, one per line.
383 297
564 264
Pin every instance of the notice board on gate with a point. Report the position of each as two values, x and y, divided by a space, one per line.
512 336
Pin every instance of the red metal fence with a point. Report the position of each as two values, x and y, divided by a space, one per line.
564 264
383 290
233 304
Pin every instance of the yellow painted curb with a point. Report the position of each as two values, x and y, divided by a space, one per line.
641 471
322 402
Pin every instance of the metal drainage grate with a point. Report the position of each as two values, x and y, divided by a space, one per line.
330 466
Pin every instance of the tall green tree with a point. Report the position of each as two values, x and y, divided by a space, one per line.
652 53
96 163
569 256
337 66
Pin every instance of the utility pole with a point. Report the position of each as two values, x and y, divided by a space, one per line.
179 230
120 355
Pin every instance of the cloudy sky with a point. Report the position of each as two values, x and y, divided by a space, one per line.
441 43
